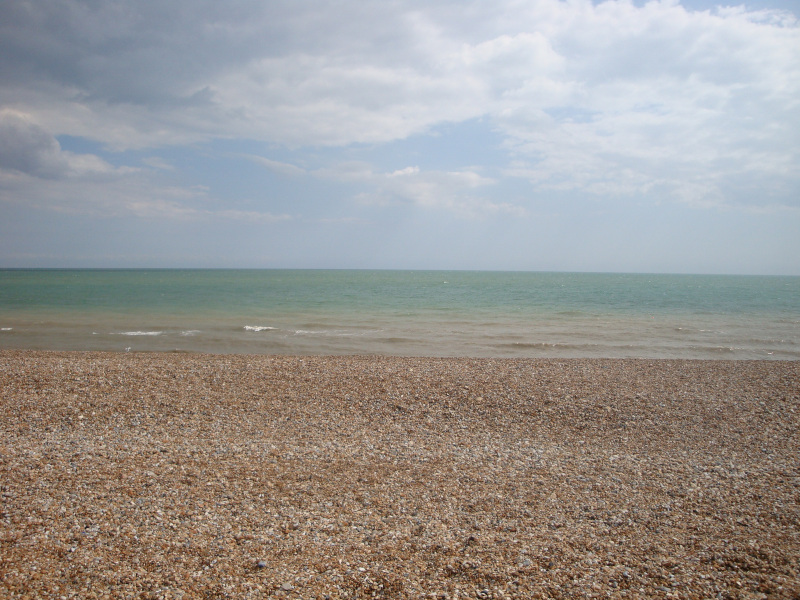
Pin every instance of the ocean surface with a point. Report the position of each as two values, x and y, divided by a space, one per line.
410 313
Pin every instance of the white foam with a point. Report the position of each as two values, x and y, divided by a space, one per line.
140 333
6 328
190 332
335 332
258 328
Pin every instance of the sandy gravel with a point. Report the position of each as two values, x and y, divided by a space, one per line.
195 476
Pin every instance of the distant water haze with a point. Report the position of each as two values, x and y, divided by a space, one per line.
406 313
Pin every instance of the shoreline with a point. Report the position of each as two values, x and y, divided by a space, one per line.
183 475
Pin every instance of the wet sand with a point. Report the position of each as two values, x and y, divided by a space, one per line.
200 476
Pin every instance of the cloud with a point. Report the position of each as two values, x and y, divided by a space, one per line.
126 195
251 216
35 170
348 171
609 98
457 191
27 148
158 163
430 189
664 102
280 168
404 172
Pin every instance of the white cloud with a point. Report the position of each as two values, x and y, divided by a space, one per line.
251 216
458 191
404 172
158 163
348 171
280 168
605 98
664 100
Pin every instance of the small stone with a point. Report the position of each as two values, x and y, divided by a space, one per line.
347 475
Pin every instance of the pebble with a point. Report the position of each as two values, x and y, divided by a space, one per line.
487 461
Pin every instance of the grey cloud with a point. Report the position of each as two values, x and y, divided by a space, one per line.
139 74
628 78
167 52
137 52
27 148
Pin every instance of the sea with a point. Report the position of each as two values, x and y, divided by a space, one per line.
402 313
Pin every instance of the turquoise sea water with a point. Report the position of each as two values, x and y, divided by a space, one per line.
422 313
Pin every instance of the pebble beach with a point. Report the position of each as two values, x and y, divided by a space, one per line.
170 475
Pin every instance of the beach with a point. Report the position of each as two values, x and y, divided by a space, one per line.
183 475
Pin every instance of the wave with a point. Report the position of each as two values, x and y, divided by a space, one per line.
543 345
336 332
138 333
6 328
259 328
190 332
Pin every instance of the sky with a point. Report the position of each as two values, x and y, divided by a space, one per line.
542 135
